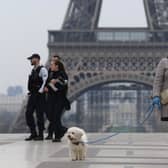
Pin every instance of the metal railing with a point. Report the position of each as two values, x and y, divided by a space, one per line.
107 36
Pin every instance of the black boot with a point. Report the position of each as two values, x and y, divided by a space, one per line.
40 137
49 137
56 140
31 137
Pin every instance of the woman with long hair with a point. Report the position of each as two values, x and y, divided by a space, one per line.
56 87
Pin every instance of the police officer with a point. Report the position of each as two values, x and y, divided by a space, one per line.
36 100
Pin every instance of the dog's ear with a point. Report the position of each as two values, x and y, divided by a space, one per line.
81 134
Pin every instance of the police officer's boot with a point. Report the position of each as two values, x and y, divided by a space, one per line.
32 136
40 137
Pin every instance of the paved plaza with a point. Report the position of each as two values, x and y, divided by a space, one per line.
122 151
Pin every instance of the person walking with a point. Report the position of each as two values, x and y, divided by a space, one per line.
160 88
56 87
36 99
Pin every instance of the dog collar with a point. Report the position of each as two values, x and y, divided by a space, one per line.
77 143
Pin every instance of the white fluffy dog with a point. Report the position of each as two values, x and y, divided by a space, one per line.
77 141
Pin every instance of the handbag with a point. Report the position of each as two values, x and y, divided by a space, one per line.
164 97
164 101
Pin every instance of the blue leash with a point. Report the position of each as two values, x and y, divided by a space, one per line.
102 139
149 113
150 109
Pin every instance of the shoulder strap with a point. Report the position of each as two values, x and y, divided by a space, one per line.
39 68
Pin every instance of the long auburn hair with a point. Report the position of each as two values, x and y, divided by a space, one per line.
60 65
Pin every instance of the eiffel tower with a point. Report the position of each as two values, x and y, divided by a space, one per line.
94 56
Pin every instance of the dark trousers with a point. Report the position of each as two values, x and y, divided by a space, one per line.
55 109
36 103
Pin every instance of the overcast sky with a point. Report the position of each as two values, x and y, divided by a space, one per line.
24 26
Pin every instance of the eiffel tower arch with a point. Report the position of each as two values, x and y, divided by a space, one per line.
103 78
95 56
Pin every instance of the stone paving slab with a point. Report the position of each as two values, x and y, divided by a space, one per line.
123 151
